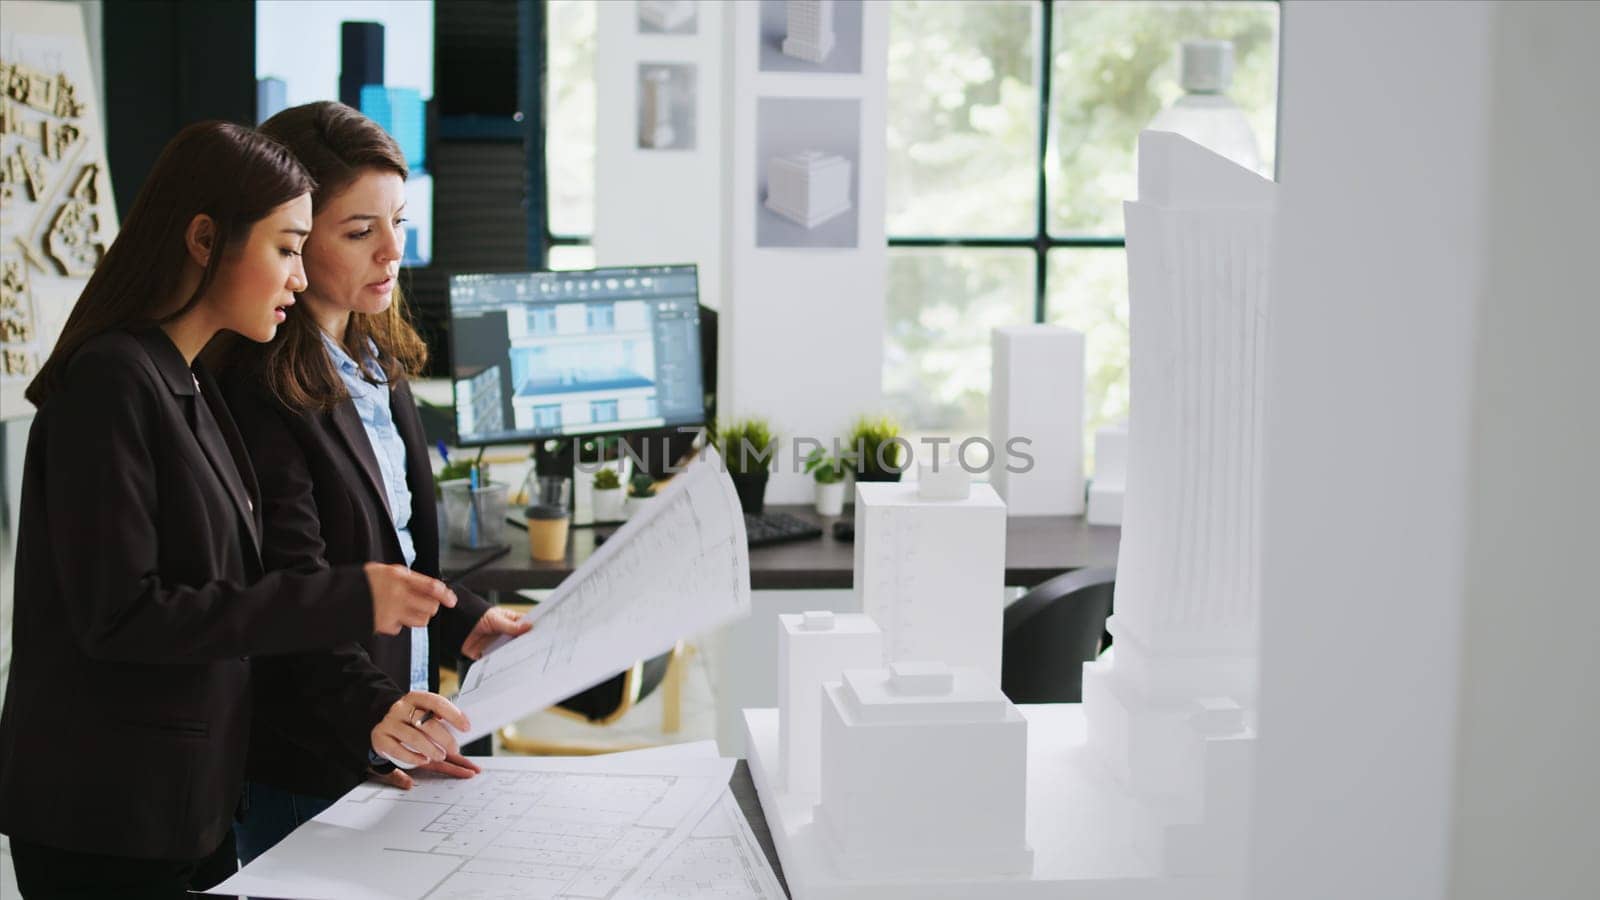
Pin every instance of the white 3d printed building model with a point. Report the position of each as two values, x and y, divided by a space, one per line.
666 15
1110 483
924 771
656 129
813 649
810 30
932 573
1143 791
809 187
1171 715
1037 395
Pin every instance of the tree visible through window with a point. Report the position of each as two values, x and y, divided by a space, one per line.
1002 208
990 225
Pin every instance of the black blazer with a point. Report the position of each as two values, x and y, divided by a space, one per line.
139 593
323 504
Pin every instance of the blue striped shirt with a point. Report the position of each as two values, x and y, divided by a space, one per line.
377 419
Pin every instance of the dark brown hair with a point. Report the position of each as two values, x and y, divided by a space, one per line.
225 171
337 145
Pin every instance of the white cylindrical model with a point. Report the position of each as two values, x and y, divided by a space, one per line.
815 648
656 129
810 30
1036 406
932 573
924 772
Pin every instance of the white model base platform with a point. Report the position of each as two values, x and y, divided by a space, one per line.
1080 825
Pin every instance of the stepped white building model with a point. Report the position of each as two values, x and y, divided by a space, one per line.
809 187
810 30
924 771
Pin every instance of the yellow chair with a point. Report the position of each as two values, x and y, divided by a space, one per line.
604 703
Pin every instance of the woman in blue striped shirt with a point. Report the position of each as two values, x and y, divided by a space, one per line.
345 476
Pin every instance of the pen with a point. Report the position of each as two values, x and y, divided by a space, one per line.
443 453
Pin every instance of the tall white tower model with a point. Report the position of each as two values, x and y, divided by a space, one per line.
809 187
1036 395
932 573
810 33
1171 716
656 129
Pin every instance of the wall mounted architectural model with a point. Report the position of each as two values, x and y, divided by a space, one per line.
815 648
58 218
1037 396
924 771
931 573
810 35
809 187
666 16
655 86
1172 715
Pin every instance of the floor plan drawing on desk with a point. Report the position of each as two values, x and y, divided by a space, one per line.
720 858
523 828
676 569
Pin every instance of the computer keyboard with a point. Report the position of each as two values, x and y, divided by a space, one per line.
778 528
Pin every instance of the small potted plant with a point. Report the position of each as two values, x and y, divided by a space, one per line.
879 456
608 496
748 450
828 473
641 490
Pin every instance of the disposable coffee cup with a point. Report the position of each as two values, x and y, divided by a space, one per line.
547 532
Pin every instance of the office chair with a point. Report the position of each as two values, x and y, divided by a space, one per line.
1051 632
609 701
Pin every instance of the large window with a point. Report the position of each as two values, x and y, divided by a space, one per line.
1011 137
1011 133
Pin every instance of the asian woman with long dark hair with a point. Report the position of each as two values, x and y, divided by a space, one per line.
140 590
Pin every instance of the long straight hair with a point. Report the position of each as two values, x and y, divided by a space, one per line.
228 172
337 145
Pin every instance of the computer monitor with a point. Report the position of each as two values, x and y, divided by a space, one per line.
539 355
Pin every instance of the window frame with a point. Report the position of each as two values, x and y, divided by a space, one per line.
1041 242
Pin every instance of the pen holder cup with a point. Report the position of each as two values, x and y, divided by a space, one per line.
475 518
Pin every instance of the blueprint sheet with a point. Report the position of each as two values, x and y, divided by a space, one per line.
721 857
678 567
525 827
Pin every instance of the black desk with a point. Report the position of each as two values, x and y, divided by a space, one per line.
744 791
1037 548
